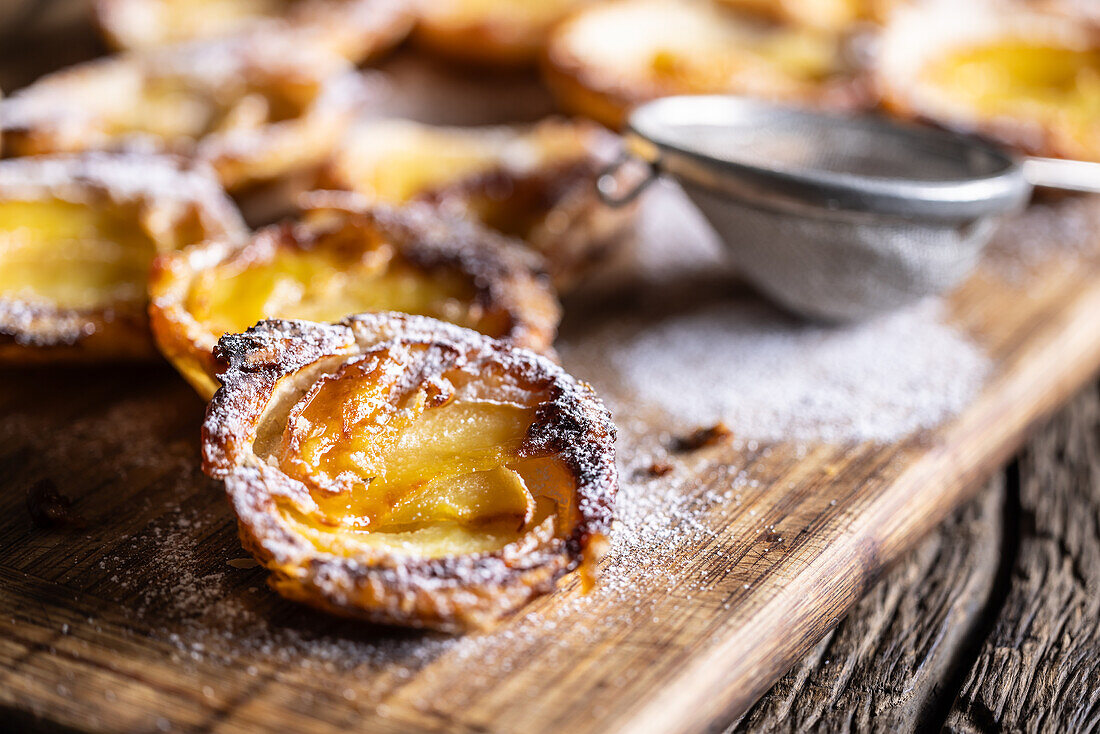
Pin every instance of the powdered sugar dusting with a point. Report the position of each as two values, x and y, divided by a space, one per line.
772 378
1062 231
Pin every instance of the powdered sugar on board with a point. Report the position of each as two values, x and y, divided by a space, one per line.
772 378
694 344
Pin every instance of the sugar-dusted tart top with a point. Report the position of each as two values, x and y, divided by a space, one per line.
609 57
356 29
254 107
496 32
344 257
1026 76
534 182
407 470
78 235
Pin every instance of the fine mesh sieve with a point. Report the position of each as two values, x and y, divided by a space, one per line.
835 217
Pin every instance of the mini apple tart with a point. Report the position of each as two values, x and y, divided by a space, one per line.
536 183
77 236
498 32
344 260
403 470
254 108
828 15
607 59
358 30
1027 78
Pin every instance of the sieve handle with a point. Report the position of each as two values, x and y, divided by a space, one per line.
1057 173
615 192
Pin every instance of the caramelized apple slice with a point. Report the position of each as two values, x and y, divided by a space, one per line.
255 108
77 235
346 260
359 30
501 32
403 470
536 183
1028 78
606 59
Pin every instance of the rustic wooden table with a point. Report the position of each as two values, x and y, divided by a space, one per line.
991 624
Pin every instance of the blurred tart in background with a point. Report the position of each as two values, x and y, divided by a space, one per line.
358 30
77 236
343 259
1025 76
608 58
407 471
255 108
510 33
535 182
827 15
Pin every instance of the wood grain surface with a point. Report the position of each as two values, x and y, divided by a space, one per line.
132 609
957 633
126 603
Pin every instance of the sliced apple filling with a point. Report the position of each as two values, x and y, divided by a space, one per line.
1024 74
357 29
72 255
254 108
342 262
405 470
415 467
1058 88
536 183
77 236
325 286
612 56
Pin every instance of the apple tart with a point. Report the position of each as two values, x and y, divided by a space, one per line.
403 470
828 15
499 32
77 236
1026 77
536 183
254 108
342 259
358 30
610 57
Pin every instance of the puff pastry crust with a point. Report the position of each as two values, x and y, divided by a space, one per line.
254 108
468 476
358 30
343 258
536 182
604 60
495 32
77 235
1026 75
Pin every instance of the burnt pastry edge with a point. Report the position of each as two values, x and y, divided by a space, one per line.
34 332
507 277
451 593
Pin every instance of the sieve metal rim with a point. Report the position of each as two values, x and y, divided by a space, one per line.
829 193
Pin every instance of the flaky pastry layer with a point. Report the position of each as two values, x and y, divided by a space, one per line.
345 257
398 521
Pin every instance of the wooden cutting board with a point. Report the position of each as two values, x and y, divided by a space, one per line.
138 611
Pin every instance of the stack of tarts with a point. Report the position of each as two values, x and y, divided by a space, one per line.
386 412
